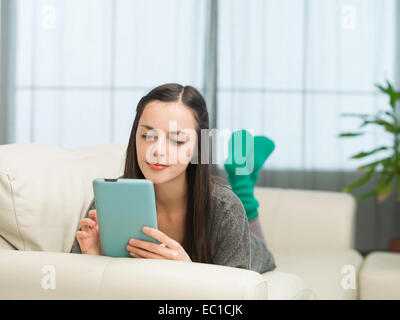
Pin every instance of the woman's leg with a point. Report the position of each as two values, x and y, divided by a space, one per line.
255 227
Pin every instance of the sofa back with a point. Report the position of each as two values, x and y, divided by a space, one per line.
45 191
295 219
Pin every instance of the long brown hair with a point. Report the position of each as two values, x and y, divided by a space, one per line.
199 180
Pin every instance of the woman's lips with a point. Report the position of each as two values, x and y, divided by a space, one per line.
157 166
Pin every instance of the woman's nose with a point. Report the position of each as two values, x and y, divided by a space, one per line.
159 150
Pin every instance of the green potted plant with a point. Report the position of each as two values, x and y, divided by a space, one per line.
388 167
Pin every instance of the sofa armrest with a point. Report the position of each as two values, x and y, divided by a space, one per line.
53 275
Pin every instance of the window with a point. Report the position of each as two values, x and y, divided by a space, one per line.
287 69
82 66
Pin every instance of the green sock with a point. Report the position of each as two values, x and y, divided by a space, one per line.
243 165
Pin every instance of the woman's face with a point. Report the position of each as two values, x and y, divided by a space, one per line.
166 135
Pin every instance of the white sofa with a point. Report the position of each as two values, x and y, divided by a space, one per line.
380 276
45 191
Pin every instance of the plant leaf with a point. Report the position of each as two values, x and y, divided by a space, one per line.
374 164
394 95
388 113
351 134
359 182
383 186
385 192
383 180
381 88
367 194
391 127
364 154
385 177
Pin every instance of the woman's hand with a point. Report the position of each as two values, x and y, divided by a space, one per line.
89 237
168 249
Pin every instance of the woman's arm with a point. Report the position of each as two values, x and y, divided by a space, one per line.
235 245
262 259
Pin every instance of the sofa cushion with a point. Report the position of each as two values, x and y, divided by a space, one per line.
45 190
380 276
324 271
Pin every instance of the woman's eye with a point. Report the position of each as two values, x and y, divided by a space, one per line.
178 142
144 136
149 137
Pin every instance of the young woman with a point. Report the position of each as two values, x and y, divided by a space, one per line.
199 218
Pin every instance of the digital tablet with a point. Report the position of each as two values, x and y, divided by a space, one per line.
124 207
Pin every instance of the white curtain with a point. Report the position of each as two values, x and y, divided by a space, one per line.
288 69
82 66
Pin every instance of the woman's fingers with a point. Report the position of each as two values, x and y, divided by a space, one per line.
140 253
93 215
168 249
87 223
150 247
161 237
80 235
